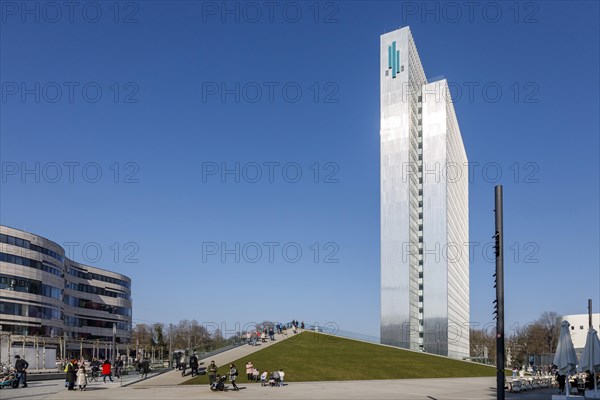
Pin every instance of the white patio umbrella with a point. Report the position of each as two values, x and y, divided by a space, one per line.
565 358
590 357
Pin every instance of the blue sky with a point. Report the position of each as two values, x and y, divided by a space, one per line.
170 113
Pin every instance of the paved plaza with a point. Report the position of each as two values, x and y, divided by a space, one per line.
422 389
167 386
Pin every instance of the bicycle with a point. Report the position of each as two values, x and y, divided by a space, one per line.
93 376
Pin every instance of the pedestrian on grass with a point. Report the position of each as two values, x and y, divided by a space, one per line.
249 370
212 372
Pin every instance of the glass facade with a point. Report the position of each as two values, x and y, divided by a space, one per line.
44 293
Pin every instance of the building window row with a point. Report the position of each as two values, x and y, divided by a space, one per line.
27 310
45 330
24 285
28 262
92 305
82 287
90 275
83 322
26 244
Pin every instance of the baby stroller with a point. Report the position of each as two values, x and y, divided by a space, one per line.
9 379
219 384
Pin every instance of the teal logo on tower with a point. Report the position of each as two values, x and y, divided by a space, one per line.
393 59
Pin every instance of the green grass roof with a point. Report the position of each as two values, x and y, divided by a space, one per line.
317 357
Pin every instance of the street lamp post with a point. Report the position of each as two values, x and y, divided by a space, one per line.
170 345
114 343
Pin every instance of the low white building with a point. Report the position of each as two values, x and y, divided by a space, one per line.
579 327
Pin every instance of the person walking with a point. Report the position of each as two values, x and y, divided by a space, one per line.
249 370
145 368
233 373
95 366
183 364
81 378
212 372
119 368
561 383
107 370
21 366
138 367
194 364
71 370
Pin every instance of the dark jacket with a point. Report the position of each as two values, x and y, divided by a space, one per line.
212 369
145 366
194 361
71 372
21 365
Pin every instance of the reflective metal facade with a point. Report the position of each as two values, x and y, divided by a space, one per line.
445 227
423 296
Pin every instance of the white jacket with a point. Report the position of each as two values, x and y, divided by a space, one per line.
81 378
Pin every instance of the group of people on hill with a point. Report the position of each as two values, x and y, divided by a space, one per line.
275 378
252 338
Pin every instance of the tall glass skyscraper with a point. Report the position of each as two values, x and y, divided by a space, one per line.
424 207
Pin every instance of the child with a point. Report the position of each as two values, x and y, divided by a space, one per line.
81 378
263 378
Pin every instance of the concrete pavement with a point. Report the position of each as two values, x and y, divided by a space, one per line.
409 389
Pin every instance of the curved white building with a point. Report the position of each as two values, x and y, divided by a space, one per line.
44 293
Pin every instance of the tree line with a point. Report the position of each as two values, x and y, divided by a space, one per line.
536 338
189 335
